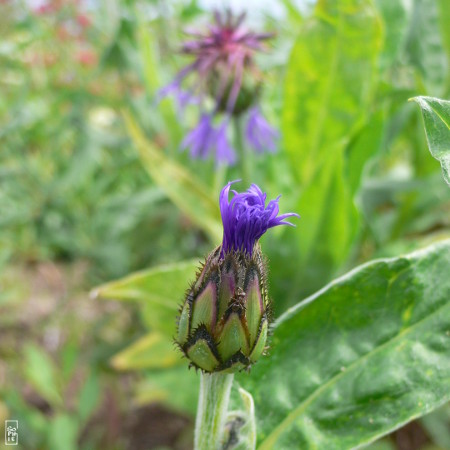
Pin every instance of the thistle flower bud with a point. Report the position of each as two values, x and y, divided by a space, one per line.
223 322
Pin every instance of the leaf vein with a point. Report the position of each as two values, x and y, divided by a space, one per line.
273 436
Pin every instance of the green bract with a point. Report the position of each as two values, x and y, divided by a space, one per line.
224 319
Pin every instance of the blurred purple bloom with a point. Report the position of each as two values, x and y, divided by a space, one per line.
182 97
223 55
224 152
246 218
201 140
205 140
259 134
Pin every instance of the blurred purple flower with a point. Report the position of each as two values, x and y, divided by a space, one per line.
259 134
223 56
246 218
202 139
224 152
205 140
182 97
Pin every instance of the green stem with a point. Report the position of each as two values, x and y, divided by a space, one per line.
212 410
219 177
244 161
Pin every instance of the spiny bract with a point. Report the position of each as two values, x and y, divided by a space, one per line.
224 320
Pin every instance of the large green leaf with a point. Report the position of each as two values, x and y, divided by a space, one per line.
153 351
396 17
177 387
63 433
329 83
41 372
89 397
436 118
363 147
366 354
147 41
425 47
181 186
444 19
329 225
158 290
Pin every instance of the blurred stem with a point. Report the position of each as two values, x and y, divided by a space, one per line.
212 410
219 176
244 161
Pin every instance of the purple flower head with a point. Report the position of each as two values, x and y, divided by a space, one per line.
223 69
222 54
259 134
246 218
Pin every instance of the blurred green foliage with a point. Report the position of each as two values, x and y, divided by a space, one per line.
91 174
72 187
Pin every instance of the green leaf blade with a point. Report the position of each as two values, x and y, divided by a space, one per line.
368 353
189 194
436 119
326 104
159 291
152 351
324 100
40 371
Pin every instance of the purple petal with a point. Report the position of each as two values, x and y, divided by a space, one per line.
224 152
169 89
182 97
259 134
224 46
200 140
204 140
246 218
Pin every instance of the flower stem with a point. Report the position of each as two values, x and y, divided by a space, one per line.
244 162
212 410
219 177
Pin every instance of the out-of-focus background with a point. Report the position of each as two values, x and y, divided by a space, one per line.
80 206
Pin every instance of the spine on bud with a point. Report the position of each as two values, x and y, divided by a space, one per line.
223 321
